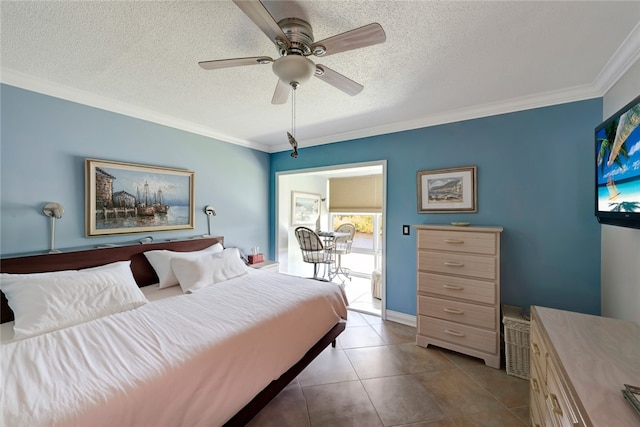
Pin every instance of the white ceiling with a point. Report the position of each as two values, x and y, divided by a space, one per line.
443 61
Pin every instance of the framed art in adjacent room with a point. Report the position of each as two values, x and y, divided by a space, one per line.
131 198
305 208
447 190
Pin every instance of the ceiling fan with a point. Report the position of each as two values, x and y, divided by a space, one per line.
293 38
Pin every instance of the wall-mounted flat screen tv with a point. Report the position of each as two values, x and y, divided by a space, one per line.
618 167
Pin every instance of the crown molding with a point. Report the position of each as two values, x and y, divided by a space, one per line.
578 93
620 62
46 87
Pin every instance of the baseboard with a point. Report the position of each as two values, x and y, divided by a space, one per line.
403 318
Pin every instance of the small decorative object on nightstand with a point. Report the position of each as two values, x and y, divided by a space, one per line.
267 265
256 257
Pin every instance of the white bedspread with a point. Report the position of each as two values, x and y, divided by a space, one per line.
187 360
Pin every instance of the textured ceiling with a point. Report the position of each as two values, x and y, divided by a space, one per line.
442 61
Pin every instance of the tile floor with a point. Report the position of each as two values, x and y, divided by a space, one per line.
377 376
358 292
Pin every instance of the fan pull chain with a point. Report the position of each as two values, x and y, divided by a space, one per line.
291 135
293 113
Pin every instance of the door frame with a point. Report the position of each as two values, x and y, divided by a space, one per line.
341 170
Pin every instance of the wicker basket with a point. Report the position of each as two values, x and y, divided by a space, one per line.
516 340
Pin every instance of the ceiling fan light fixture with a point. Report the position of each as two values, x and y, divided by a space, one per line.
294 41
293 68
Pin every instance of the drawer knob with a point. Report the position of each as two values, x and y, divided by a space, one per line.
454 333
555 405
454 241
453 264
453 287
535 349
453 310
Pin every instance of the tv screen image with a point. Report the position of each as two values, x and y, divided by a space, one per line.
618 167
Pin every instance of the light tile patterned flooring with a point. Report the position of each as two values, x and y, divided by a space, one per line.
358 292
377 376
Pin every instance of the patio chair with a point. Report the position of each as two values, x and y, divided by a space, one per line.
315 252
343 247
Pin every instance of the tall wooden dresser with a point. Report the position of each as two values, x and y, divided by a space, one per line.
459 289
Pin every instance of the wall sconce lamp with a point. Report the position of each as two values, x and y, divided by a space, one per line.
54 211
210 211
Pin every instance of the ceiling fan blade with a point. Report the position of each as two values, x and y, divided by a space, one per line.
336 79
360 37
260 16
281 94
234 62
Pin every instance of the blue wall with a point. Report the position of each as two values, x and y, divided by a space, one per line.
535 178
45 141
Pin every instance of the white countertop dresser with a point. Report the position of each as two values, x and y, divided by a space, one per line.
458 295
579 364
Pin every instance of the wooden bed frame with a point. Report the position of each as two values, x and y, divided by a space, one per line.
144 276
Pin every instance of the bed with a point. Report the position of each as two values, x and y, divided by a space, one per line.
211 354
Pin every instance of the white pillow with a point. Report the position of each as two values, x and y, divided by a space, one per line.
196 273
193 273
160 260
44 302
228 265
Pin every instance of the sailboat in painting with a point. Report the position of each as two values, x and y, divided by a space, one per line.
159 205
144 208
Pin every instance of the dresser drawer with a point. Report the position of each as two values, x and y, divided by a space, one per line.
458 241
535 415
457 287
455 311
468 336
538 353
537 389
463 265
557 401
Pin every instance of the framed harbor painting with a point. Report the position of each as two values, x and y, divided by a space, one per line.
447 190
305 208
126 198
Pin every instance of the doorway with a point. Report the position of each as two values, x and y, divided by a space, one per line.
366 287
364 262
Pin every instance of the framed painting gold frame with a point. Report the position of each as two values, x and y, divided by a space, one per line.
124 198
447 190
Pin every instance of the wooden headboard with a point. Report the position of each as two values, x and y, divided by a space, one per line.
142 270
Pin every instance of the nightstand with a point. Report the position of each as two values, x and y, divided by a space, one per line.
267 265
